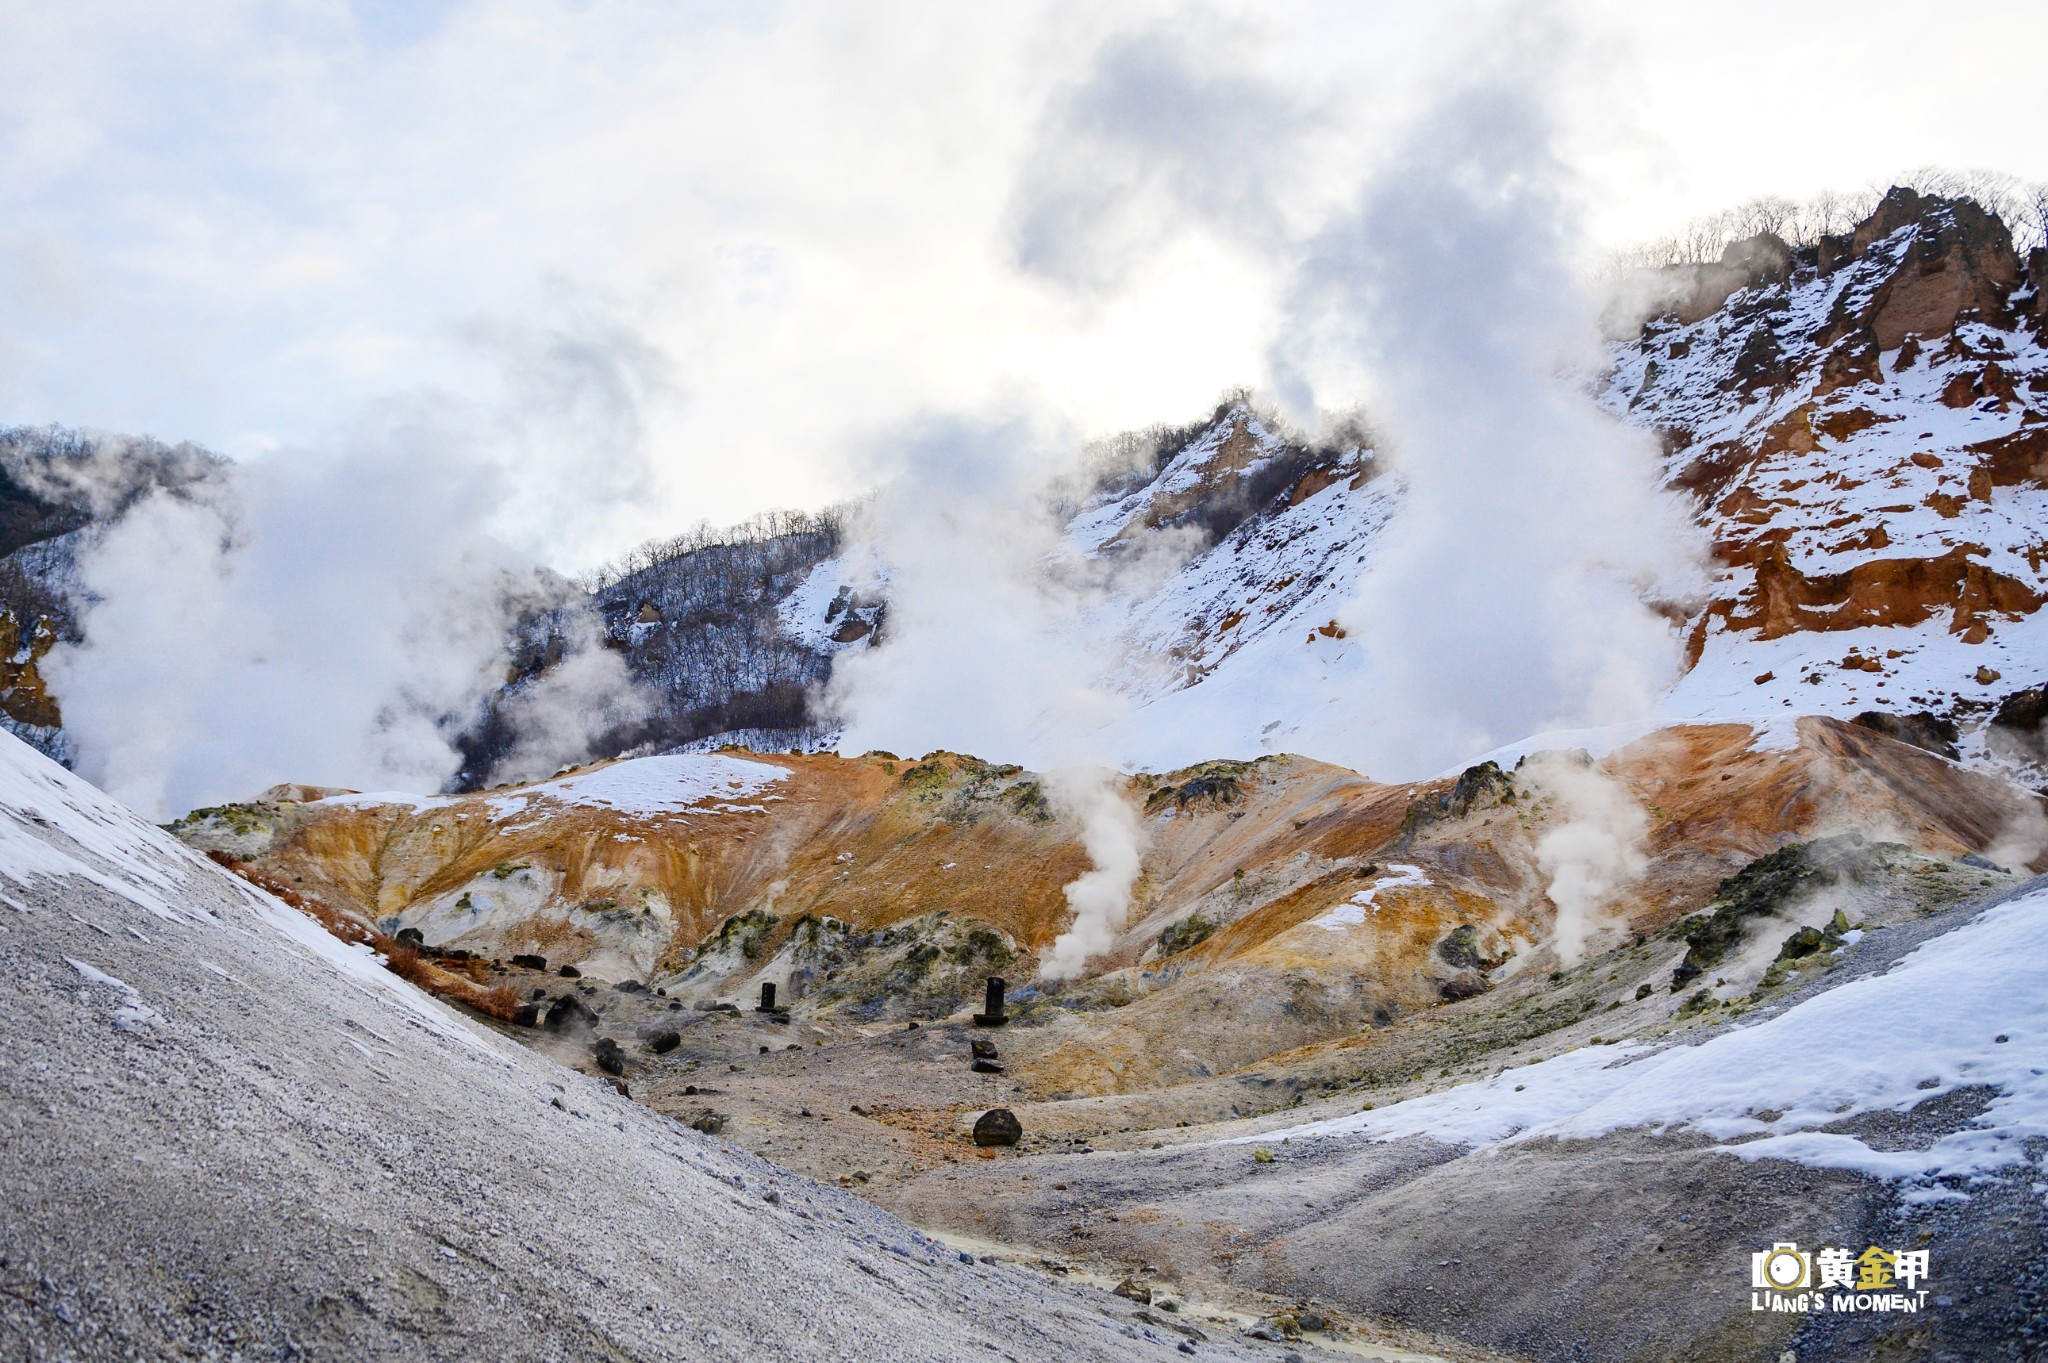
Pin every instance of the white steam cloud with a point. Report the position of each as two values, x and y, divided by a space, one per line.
2023 838
1591 855
992 645
1511 593
339 617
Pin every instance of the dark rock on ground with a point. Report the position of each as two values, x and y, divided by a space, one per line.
1469 985
530 962
1922 730
661 1043
998 1126
571 1015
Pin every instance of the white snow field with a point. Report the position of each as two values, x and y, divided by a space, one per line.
641 785
1969 1007
224 1134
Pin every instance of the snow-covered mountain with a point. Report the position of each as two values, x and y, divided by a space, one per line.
1862 427
1866 428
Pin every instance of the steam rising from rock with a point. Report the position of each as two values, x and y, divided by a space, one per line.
990 643
1594 852
1101 899
2023 839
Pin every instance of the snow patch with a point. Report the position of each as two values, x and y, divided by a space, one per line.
133 1014
1967 1008
1353 912
641 785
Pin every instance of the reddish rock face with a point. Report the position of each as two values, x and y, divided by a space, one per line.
1849 431
1902 591
1952 259
24 697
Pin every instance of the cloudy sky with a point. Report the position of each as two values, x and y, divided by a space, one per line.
689 260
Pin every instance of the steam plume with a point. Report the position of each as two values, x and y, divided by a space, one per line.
991 645
1593 852
1101 898
337 616
1509 594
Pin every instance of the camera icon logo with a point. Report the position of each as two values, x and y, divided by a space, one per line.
1783 1267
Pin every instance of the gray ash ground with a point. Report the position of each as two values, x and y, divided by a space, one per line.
1547 1250
217 1141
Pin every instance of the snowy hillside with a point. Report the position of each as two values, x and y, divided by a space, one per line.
1866 440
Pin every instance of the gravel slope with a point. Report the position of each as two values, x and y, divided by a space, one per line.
224 1136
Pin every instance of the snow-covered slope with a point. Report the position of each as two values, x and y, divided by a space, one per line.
225 1134
1867 441
1981 991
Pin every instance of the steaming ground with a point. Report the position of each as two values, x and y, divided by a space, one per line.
1380 1002
226 1134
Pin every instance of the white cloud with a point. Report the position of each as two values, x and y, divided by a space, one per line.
266 216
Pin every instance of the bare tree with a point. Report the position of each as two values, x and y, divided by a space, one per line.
2021 204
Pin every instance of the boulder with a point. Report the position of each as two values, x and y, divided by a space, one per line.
605 1052
1460 947
998 1126
411 937
661 1043
528 962
570 972
571 1015
1468 985
988 1067
983 1048
1924 730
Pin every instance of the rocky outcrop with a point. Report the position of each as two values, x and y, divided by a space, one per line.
24 696
1928 732
1696 292
1870 411
1783 600
1943 261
